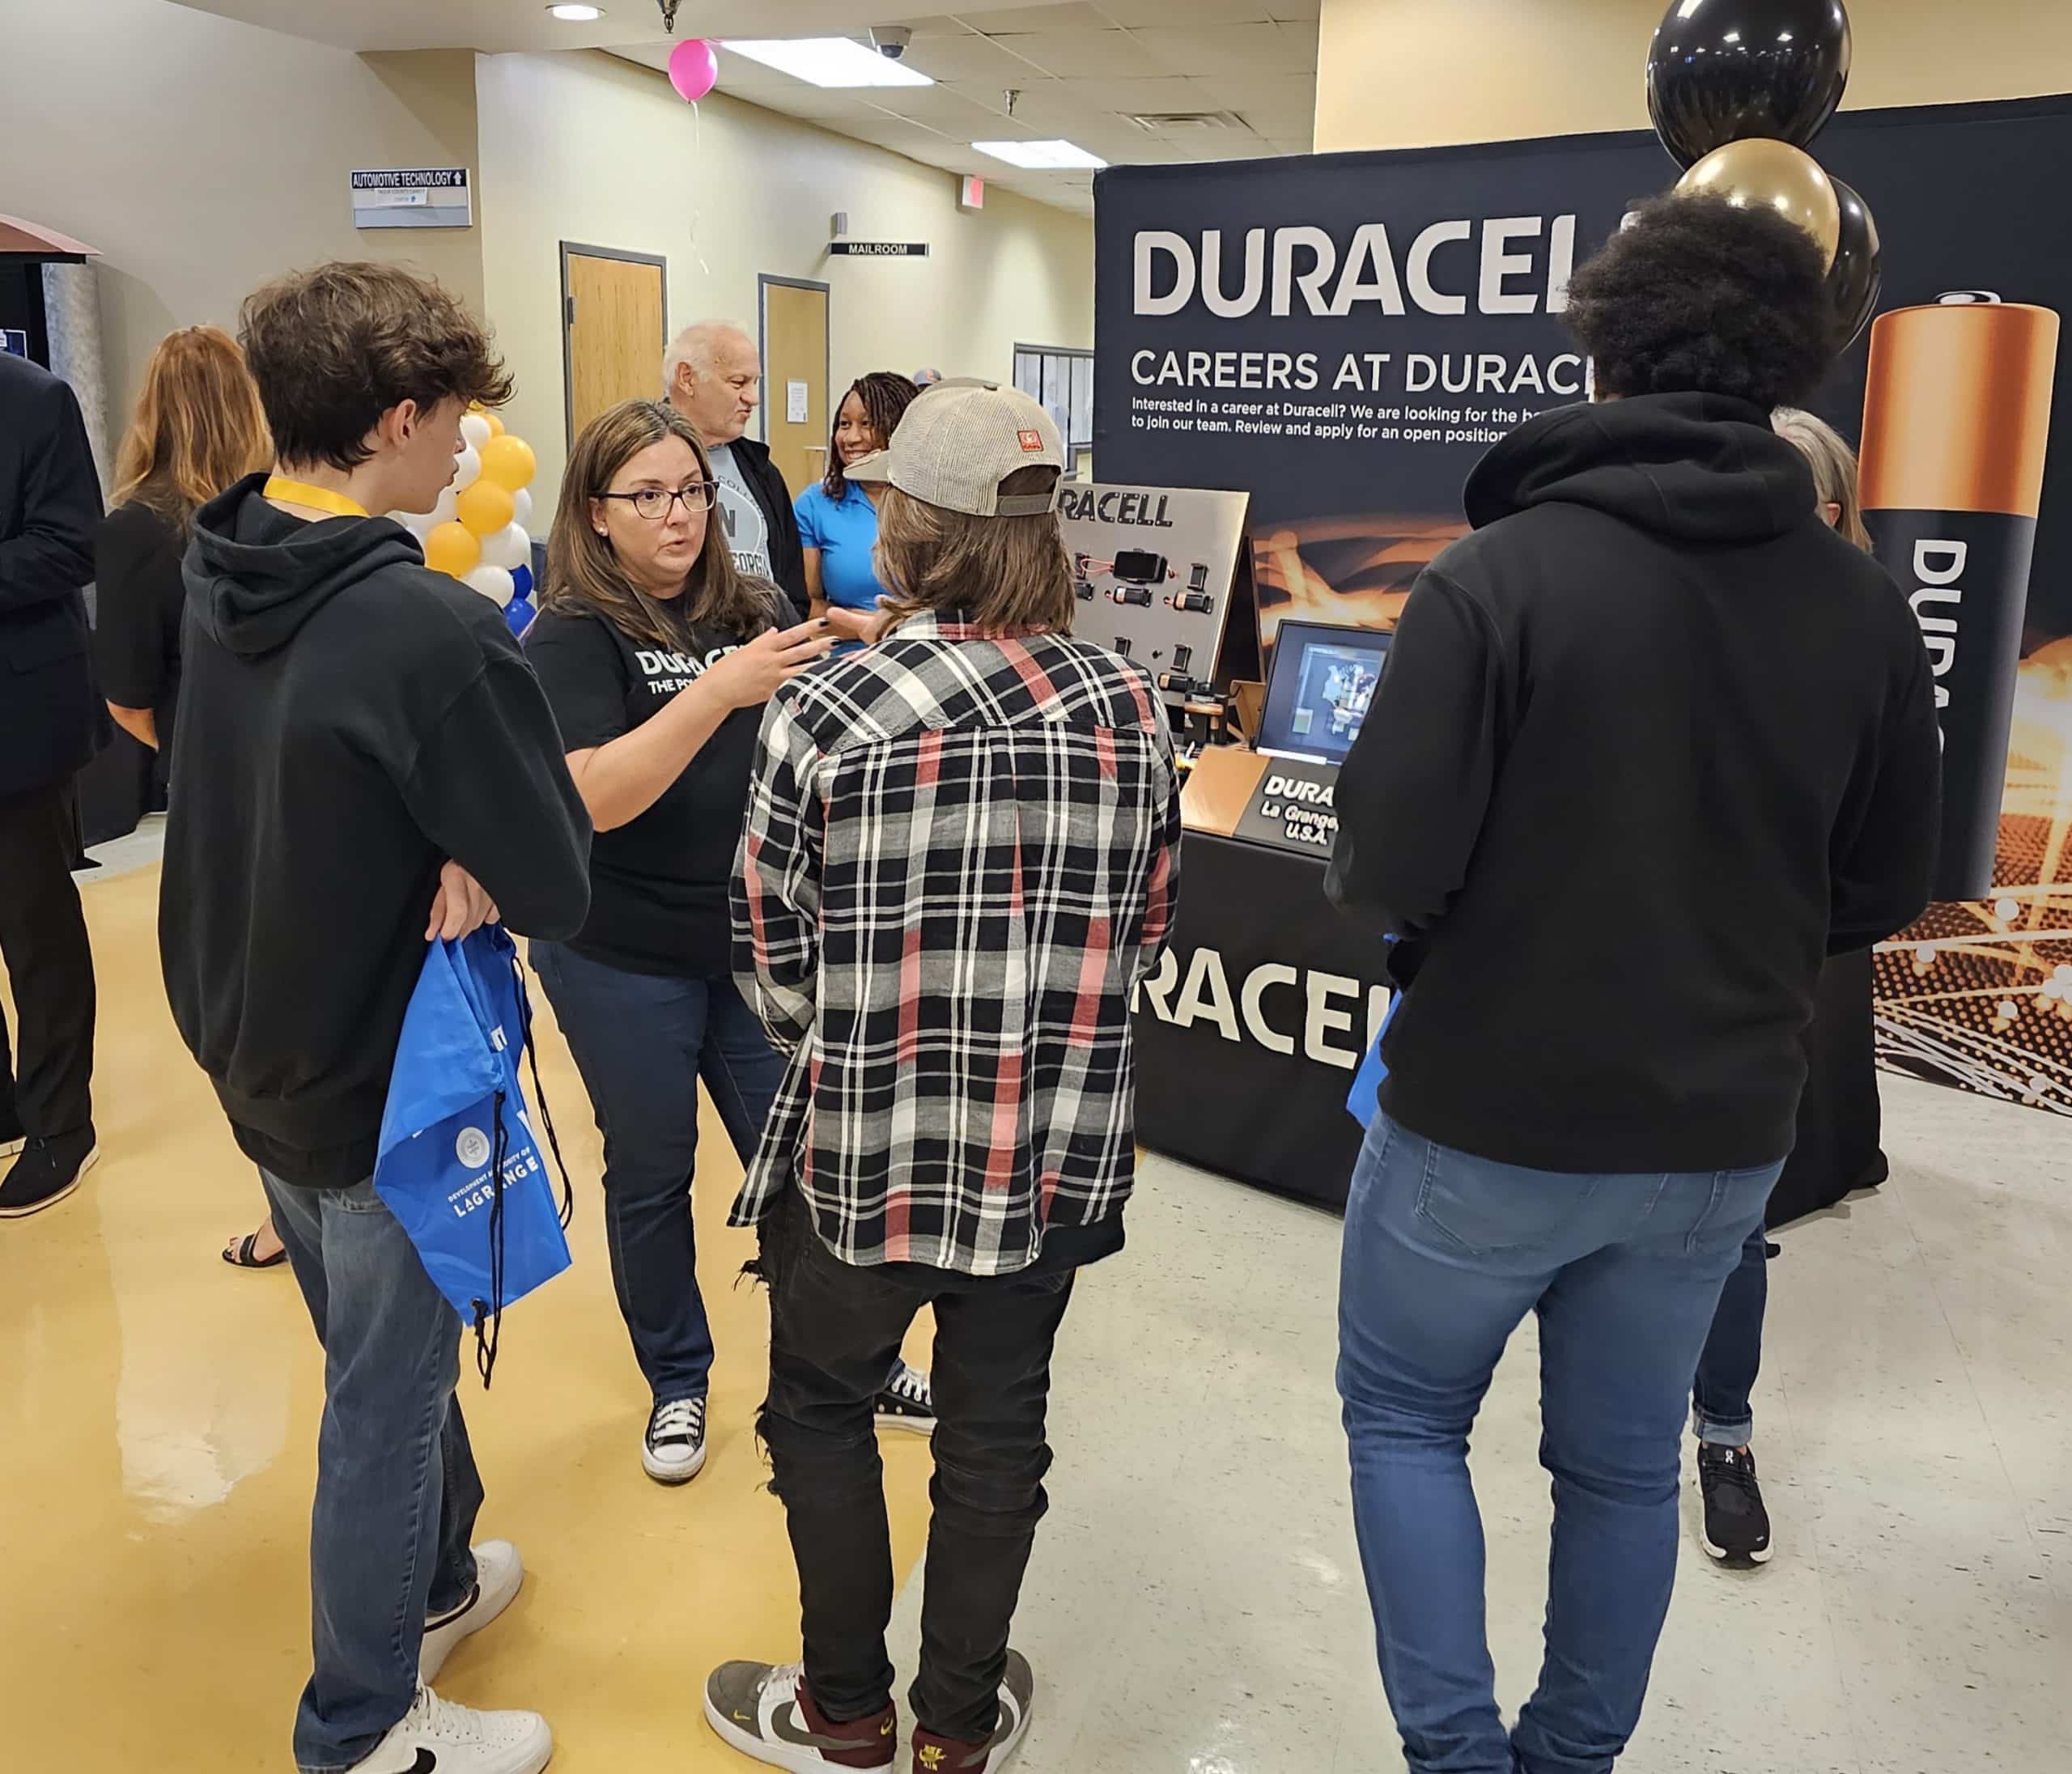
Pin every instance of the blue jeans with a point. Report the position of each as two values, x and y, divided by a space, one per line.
1445 1253
642 1042
1721 1412
396 1489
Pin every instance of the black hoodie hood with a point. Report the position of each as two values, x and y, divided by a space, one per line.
1700 468
254 574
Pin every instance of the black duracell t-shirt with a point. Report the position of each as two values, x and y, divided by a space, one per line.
659 883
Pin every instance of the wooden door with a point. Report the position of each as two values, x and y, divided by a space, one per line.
614 308
795 355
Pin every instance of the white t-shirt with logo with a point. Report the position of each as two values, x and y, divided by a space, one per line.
748 530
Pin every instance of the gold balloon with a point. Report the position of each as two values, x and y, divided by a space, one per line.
452 549
485 507
508 461
1762 174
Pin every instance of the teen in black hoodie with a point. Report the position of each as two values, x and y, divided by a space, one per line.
364 760
1652 743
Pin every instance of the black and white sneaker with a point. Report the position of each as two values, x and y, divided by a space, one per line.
1736 1529
907 1402
499 1574
673 1449
47 1171
435 1734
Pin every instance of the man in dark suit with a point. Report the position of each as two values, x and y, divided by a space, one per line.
50 723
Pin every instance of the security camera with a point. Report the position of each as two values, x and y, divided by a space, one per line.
890 40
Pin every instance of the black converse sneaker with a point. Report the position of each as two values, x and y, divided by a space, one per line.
673 1449
907 1402
1736 1526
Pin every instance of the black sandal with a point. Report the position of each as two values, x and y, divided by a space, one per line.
241 1257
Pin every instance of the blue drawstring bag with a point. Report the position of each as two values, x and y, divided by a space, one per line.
1361 1102
459 1166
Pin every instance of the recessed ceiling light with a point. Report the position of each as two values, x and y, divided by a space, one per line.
828 62
1047 156
575 15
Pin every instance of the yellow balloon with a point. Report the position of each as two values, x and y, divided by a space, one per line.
495 424
486 507
1760 173
454 549
509 460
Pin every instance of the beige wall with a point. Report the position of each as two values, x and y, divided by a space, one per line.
594 151
203 157
1395 73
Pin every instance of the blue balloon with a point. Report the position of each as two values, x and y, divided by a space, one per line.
521 581
518 613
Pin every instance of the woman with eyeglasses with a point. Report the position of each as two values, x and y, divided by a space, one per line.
657 657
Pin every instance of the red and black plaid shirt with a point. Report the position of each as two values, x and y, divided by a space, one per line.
961 856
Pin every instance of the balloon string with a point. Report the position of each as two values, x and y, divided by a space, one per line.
697 161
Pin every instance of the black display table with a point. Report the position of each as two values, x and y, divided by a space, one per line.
1248 1037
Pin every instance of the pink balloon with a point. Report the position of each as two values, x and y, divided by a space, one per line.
693 69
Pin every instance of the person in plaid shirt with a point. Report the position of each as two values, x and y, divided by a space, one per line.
960 858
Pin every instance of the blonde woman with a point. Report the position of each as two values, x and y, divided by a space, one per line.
198 430
1831 1156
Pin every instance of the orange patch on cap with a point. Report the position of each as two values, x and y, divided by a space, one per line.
1032 441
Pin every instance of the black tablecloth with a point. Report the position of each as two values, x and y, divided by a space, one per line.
1212 1087
1212 1092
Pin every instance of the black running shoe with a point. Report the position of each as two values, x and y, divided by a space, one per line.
47 1171
907 1402
1736 1526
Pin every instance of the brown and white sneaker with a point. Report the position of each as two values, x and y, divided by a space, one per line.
765 1711
934 1755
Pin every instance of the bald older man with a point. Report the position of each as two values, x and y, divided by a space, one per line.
713 375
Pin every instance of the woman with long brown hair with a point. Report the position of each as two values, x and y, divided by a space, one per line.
198 430
657 657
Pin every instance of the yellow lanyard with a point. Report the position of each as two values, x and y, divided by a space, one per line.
317 499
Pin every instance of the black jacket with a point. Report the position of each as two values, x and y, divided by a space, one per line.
349 720
51 721
787 556
1651 744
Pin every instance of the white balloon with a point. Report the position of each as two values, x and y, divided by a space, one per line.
493 582
521 508
445 510
509 548
474 428
468 469
417 523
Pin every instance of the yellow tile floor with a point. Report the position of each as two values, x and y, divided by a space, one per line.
158 1422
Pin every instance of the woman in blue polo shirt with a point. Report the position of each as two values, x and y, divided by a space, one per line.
838 523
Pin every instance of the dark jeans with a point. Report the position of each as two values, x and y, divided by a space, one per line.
1445 1254
1719 1410
46 1084
835 1329
641 1042
396 1489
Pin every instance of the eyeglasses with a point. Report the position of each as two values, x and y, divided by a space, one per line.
656 503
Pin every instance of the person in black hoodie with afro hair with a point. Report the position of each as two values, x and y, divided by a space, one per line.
1653 741
364 761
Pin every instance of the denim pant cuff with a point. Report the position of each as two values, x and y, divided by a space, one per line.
1716 1433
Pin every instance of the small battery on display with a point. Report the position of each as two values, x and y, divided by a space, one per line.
1193 600
1131 594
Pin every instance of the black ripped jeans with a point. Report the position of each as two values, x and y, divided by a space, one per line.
834 1331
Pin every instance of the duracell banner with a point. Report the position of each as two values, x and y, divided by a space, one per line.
1342 336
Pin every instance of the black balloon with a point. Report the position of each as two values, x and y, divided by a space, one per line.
1854 282
1721 71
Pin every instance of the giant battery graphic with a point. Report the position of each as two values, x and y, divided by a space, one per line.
1956 424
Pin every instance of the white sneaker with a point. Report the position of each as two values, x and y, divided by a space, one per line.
673 1451
436 1734
499 1573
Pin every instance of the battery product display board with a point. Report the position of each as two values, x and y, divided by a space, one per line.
1156 572
1344 335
